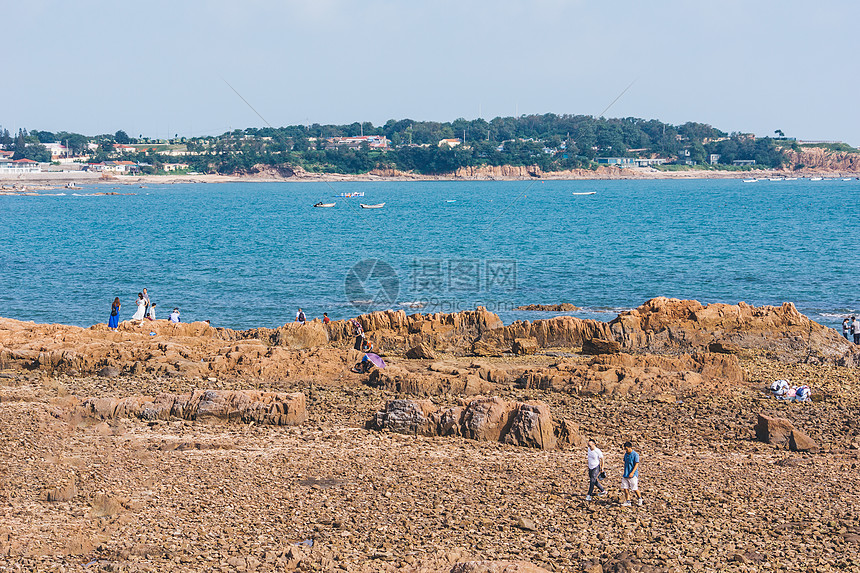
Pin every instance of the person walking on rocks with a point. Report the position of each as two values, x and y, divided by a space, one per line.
300 317
855 329
595 469
630 477
846 327
113 321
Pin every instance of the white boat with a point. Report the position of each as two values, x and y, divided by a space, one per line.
791 179
321 204
815 178
450 200
847 178
750 180
377 206
587 193
776 179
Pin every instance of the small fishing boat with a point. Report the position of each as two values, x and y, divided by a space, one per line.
321 204
750 180
791 179
586 193
450 200
377 206
847 178
776 179
815 178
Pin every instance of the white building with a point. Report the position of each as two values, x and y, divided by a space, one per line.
10 167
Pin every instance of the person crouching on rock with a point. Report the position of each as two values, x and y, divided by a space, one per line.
630 478
780 389
595 470
365 365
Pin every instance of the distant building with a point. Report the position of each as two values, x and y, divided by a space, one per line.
57 150
743 162
174 166
124 148
619 161
378 142
714 158
450 142
10 167
630 161
114 167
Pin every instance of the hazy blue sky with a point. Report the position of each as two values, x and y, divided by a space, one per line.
155 67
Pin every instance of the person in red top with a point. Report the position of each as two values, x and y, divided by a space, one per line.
326 319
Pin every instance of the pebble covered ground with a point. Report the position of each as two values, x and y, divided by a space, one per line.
332 496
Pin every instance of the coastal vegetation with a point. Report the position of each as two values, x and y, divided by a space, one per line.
551 142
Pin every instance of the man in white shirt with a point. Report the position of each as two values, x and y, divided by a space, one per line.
595 468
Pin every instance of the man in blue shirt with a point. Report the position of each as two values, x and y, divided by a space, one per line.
630 477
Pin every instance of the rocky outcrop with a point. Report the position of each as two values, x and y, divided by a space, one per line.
600 346
800 442
395 332
428 382
563 307
819 158
771 430
498 172
271 408
664 325
485 419
629 375
781 432
188 350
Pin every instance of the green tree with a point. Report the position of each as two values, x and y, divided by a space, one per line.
121 137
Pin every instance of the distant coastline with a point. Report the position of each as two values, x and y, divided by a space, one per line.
48 180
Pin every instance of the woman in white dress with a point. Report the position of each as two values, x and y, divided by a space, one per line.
141 307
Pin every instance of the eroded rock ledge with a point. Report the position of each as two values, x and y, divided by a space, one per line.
489 419
273 408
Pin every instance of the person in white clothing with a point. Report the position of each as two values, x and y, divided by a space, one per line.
595 468
141 307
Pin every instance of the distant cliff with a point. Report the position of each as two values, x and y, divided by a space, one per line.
819 158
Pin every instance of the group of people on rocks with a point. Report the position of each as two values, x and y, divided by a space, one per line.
851 326
629 478
302 319
783 390
145 311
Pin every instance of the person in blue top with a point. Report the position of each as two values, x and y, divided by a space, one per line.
630 477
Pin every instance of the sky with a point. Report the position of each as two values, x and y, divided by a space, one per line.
159 68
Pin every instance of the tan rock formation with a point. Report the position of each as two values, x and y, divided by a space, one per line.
819 158
668 325
488 419
274 408
498 172
772 430
563 307
625 374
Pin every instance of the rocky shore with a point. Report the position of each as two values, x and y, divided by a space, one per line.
209 449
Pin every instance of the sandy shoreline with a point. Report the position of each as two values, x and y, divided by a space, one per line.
53 180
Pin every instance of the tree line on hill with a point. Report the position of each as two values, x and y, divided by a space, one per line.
552 142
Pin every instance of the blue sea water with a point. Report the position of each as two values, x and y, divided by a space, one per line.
250 254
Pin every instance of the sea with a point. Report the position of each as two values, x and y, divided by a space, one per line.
245 255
